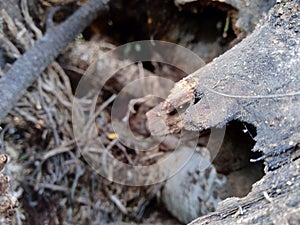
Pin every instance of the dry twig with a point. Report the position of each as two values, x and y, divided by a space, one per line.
26 69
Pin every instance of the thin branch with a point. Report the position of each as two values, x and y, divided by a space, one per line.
30 65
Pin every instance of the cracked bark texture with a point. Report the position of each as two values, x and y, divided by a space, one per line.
7 202
256 81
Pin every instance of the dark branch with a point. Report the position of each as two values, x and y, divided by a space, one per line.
28 67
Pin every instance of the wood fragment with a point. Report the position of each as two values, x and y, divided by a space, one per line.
255 82
256 207
8 202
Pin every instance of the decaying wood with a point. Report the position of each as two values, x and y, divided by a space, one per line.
27 68
7 202
273 200
256 81
193 190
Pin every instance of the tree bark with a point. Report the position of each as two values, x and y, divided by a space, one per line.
255 82
273 200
